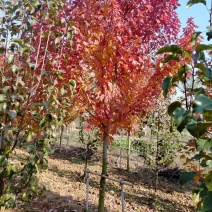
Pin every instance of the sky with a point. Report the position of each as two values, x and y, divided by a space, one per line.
198 11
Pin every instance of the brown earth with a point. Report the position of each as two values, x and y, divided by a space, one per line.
66 189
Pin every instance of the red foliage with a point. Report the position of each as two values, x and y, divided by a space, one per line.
113 55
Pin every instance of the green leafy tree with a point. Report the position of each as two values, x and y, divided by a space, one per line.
30 94
194 113
158 150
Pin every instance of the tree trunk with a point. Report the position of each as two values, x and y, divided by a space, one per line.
128 150
61 137
156 159
1 187
86 161
104 171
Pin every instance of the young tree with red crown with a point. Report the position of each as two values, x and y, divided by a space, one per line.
115 45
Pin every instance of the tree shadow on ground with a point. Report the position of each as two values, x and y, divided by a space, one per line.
157 203
146 176
53 202
74 176
74 154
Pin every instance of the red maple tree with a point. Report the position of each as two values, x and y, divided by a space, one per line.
113 58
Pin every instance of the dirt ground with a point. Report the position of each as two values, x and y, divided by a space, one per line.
66 189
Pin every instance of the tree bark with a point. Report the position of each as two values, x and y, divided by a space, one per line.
104 171
61 137
156 159
1 188
128 150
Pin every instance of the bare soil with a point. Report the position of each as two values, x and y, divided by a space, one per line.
66 188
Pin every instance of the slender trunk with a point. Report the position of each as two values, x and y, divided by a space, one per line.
1 187
128 150
61 137
104 171
86 161
156 159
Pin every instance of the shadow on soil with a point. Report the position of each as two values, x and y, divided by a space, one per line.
74 154
156 203
144 176
151 200
53 202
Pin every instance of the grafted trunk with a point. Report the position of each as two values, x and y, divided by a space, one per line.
104 171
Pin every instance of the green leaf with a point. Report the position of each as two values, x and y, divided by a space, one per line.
173 106
30 136
202 103
173 49
4 161
209 163
181 72
197 129
166 85
171 57
34 159
16 40
24 179
2 97
196 196
181 118
192 2
3 106
208 181
10 58
198 156
49 117
72 83
203 47
187 54
11 170
203 190
175 79
194 38
207 115
42 123
2 158
201 67
204 144
186 177
2 50
207 202
208 74
203 126
25 196
209 34
202 57
31 149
